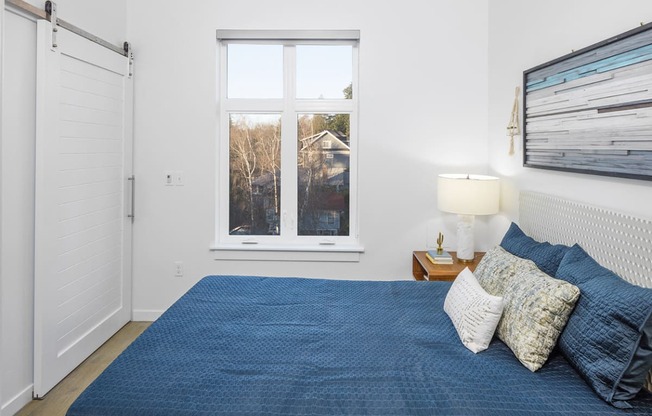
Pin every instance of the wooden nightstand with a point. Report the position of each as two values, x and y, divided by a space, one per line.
423 269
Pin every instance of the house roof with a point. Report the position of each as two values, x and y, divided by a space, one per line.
340 141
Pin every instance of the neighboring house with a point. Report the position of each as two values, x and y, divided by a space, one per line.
327 220
332 145
323 186
325 157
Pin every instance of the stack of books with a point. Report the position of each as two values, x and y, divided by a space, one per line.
439 258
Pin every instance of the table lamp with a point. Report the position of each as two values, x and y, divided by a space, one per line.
467 196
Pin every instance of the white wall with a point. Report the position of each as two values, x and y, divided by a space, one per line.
105 19
526 33
423 111
17 266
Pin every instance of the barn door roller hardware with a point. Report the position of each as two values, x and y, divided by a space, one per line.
50 13
51 10
129 53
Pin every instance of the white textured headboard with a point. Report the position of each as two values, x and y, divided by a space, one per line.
620 242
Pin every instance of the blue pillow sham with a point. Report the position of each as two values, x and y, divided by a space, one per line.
608 338
545 255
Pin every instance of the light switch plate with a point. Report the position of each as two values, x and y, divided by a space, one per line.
168 177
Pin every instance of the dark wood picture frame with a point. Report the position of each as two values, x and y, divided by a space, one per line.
590 111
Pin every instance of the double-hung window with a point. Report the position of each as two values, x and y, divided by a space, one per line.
288 142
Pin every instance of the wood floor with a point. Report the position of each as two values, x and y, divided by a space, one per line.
59 399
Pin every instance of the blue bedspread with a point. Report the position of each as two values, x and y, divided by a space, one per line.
238 345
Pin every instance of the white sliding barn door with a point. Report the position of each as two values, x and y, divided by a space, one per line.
83 197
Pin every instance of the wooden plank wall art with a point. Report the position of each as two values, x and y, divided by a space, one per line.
591 111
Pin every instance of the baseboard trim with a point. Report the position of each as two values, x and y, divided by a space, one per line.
17 402
149 315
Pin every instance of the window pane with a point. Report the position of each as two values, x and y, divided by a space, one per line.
254 71
324 71
254 174
323 166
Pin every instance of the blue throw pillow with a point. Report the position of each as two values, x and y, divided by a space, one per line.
545 255
608 338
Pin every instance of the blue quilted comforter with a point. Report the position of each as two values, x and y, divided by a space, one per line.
238 345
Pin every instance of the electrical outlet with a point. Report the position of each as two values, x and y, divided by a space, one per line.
178 178
178 269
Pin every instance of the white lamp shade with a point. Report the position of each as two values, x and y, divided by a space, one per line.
468 194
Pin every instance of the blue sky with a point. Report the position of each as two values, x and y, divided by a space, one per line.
256 71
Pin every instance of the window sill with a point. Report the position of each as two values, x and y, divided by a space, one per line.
261 252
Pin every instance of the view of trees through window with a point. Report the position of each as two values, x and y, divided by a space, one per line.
323 163
255 174
323 179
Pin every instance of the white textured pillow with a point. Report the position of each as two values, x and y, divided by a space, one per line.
474 312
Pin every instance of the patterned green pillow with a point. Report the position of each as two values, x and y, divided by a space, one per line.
537 308
495 268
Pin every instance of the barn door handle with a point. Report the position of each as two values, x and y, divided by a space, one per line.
132 179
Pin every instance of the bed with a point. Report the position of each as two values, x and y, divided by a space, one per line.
246 345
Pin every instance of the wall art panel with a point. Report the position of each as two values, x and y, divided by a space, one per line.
591 111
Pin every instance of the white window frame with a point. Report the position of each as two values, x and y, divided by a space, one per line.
260 246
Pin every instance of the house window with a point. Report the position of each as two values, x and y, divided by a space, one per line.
287 140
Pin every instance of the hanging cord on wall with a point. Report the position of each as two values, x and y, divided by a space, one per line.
513 125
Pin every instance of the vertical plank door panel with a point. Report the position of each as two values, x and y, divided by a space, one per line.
83 235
